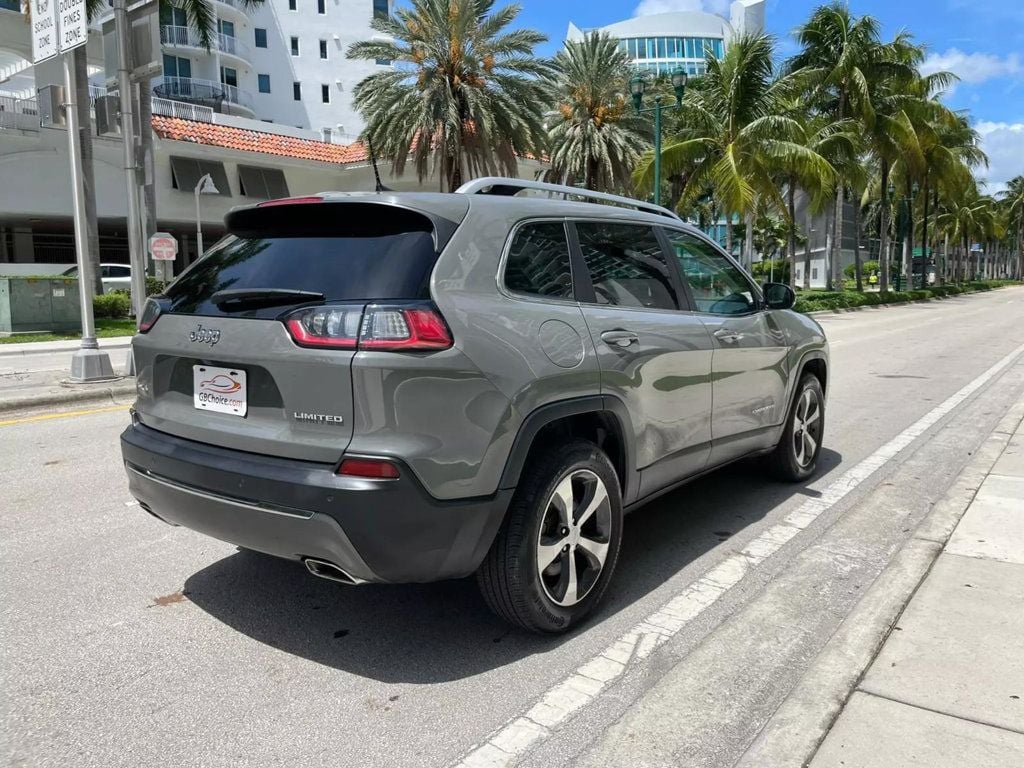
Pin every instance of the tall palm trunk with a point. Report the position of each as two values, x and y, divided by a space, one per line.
837 240
748 243
856 246
82 106
807 248
883 233
791 200
830 239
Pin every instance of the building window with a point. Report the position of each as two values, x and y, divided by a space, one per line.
229 76
262 183
297 91
291 5
814 273
261 37
321 8
226 28
380 9
187 171
382 62
295 46
325 94
263 82
176 66
323 49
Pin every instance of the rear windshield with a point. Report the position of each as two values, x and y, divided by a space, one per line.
343 261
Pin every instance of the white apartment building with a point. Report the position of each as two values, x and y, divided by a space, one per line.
283 61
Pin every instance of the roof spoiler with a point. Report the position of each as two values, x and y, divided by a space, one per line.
496 185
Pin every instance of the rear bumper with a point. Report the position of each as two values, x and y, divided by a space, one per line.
375 530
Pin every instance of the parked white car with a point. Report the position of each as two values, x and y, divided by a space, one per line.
115 277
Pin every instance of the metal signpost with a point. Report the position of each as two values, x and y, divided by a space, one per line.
60 26
164 250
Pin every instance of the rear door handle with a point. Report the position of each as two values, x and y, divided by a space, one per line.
726 336
619 338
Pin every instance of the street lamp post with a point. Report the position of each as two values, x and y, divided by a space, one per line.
637 86
908 235
205 186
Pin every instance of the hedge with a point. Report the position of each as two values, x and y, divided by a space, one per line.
816 301
113 305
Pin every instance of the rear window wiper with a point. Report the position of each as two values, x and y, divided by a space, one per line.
264 297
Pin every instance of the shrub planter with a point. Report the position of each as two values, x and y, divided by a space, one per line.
38 304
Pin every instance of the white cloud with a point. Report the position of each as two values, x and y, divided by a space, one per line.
973 67
1004 145
649 7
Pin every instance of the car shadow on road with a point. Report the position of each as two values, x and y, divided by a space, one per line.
430 633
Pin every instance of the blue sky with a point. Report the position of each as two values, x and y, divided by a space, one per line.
982 41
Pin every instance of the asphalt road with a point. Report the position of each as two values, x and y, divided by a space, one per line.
127 642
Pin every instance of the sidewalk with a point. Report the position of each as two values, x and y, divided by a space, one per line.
947 687
34 374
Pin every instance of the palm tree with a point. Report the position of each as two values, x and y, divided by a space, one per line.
1013 201
464 90
842 56
969 217
595 135
736 136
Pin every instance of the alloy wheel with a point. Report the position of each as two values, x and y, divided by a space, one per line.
575 532
806 428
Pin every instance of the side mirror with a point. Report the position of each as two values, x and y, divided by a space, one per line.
778 296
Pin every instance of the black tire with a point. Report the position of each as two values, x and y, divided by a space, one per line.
509 578
786 462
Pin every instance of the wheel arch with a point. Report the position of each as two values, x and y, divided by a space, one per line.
602 419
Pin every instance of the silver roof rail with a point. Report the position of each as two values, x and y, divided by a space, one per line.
497 185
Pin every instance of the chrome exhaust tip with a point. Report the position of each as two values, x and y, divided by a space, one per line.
329 571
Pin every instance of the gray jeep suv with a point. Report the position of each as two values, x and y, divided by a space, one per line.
406 387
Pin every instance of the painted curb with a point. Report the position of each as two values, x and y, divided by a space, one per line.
115 393
793 734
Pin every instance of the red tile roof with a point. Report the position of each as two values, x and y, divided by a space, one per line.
256 141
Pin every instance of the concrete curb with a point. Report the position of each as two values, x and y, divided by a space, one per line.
818 312
50 347
114 393
793 734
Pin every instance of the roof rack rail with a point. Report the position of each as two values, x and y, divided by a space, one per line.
497 185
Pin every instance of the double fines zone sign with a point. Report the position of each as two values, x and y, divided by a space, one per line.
57 26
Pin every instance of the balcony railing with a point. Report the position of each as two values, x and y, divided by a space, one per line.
19 114
179 36
182 110
203 92
232 46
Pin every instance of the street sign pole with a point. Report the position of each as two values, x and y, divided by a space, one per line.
89 362
59 29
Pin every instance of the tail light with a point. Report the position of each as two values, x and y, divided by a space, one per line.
378 327
150 314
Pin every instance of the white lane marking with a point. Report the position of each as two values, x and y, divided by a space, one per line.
510 742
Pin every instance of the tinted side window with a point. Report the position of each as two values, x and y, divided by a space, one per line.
538 261
627 266
718 286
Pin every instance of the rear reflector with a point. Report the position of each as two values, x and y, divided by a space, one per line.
377 469
378 327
